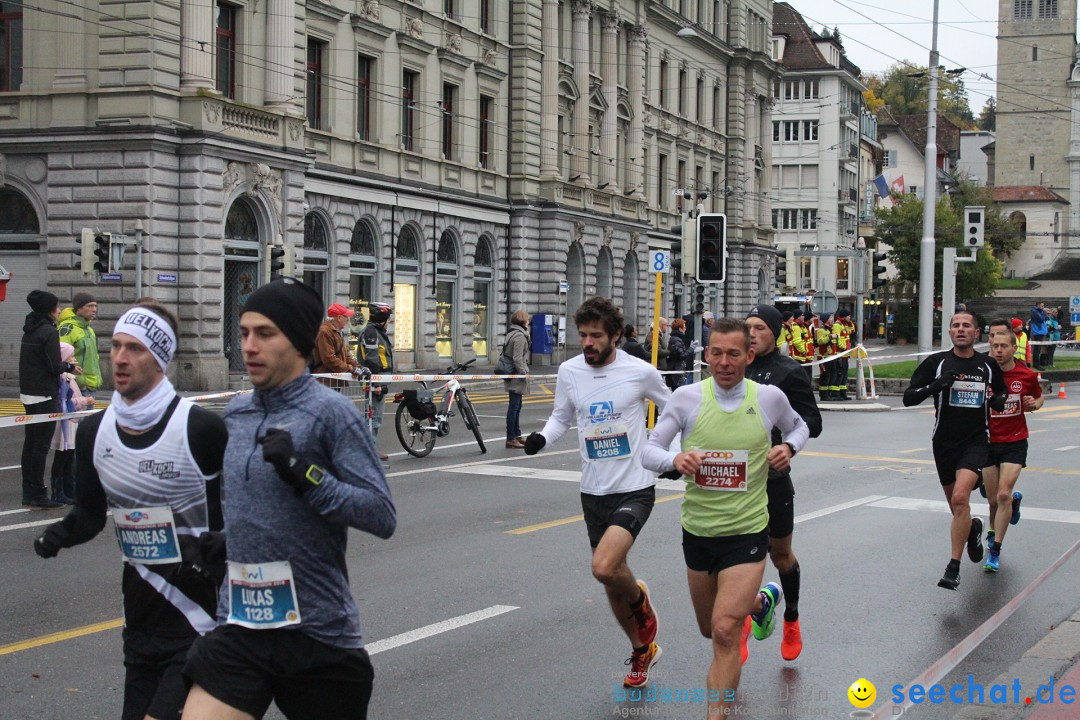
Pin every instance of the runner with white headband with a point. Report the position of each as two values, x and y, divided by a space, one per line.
155 459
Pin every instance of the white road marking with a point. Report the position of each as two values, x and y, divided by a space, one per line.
536 473
1067 447
1029 513
13 512
437 628
837 508
11 467
20 526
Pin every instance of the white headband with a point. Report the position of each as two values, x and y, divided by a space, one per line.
152 331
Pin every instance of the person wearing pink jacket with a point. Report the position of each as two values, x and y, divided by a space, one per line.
63 442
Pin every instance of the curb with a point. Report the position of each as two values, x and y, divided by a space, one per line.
1052 657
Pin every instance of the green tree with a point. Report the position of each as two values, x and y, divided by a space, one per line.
904 87
901 228
987 119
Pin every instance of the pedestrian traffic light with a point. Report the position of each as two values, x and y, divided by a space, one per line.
711 247
86 251
102 250
973 226
276 264
699 299
781 271
876 268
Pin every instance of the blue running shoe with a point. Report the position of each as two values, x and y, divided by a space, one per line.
989 539
992 564
763 624
1017 497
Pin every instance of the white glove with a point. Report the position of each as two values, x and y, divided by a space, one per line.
695 347
362 372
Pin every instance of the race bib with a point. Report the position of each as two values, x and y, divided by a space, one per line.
147 536
964 393
1012 407
607 441
262 596
723 471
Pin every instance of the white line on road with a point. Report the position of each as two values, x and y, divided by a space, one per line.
11 467
20 526
437 628
1067 447
1029 513
837 508
536 473
12 512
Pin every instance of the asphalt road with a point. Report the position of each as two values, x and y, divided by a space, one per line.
482 605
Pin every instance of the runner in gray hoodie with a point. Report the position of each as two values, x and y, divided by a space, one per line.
300 470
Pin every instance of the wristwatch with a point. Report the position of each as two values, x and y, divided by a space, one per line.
315 474
792 448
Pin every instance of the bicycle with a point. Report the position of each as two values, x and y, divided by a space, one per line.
418 422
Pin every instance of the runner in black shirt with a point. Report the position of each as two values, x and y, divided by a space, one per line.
965 384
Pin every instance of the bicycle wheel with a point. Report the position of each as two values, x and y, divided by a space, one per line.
416 436
469 416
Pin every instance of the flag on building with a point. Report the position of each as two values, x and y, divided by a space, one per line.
882 186
898 185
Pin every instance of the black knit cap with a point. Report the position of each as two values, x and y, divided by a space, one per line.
845 313
295 308
769 315
42 301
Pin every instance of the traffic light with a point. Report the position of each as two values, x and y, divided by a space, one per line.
102 250
973 226
876 268
689 248
276 265
711 247
699 299
86 251
781 271
290 262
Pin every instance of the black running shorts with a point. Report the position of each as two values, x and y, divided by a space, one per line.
307 679
626 510
153 682
713 554
1009 452
781 493
950 458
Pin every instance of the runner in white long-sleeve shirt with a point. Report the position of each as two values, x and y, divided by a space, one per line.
604 390
726 423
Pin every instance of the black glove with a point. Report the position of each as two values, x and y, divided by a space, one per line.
212 546
943 382
278 450
534 443
670 475
48 544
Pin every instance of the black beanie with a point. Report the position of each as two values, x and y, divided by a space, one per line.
41 301
845 313
295 308
81 298
769 315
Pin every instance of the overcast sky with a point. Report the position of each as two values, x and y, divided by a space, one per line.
876 36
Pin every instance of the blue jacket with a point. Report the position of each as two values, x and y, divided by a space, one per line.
1038 321
265 519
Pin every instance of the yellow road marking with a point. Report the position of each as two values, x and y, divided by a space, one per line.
547 390
576 518
61 636
912 450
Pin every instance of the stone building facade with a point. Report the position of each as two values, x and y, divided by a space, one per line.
457 158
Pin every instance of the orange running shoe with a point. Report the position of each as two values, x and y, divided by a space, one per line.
791 645
745 653
640 663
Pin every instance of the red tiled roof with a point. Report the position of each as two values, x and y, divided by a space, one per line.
1025 193
800 52
948 134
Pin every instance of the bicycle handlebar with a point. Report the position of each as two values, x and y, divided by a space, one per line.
453 369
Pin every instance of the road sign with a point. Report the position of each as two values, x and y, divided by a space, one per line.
111 277
166 277
824 303
564 287
661 261
1074 309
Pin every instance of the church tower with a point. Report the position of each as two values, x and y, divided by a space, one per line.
1036 50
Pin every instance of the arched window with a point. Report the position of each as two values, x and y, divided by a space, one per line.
240 223
316 258
406 278
363 268
1019 220
446 273
314 234
243 248
483 274
17 216
604 266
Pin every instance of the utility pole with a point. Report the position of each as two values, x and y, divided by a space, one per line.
927 248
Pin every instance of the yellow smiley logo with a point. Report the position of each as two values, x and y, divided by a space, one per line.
862 693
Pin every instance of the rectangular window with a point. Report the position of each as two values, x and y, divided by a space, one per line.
661 181
809 219
449 98
809 176
225 83
11 46
791 131
776 131
789 219
717 107
699 101
776 219
842 266
364 67
776 89
409 83
1048 9
810 129
485 17
663 83
448 8
315 53
791 89
682 93
680 182
716 192
811 92
790 180
486 119
1022 10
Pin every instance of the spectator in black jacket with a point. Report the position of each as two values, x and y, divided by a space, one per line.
632 346
770 367
40 368
678 354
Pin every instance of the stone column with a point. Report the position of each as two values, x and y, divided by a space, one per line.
197 44
549 92
70 48
609 126
635 76
580 165
279 55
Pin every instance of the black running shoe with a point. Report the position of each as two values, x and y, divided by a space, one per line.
974 541
951 579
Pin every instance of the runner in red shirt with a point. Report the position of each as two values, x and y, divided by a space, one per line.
1008 440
